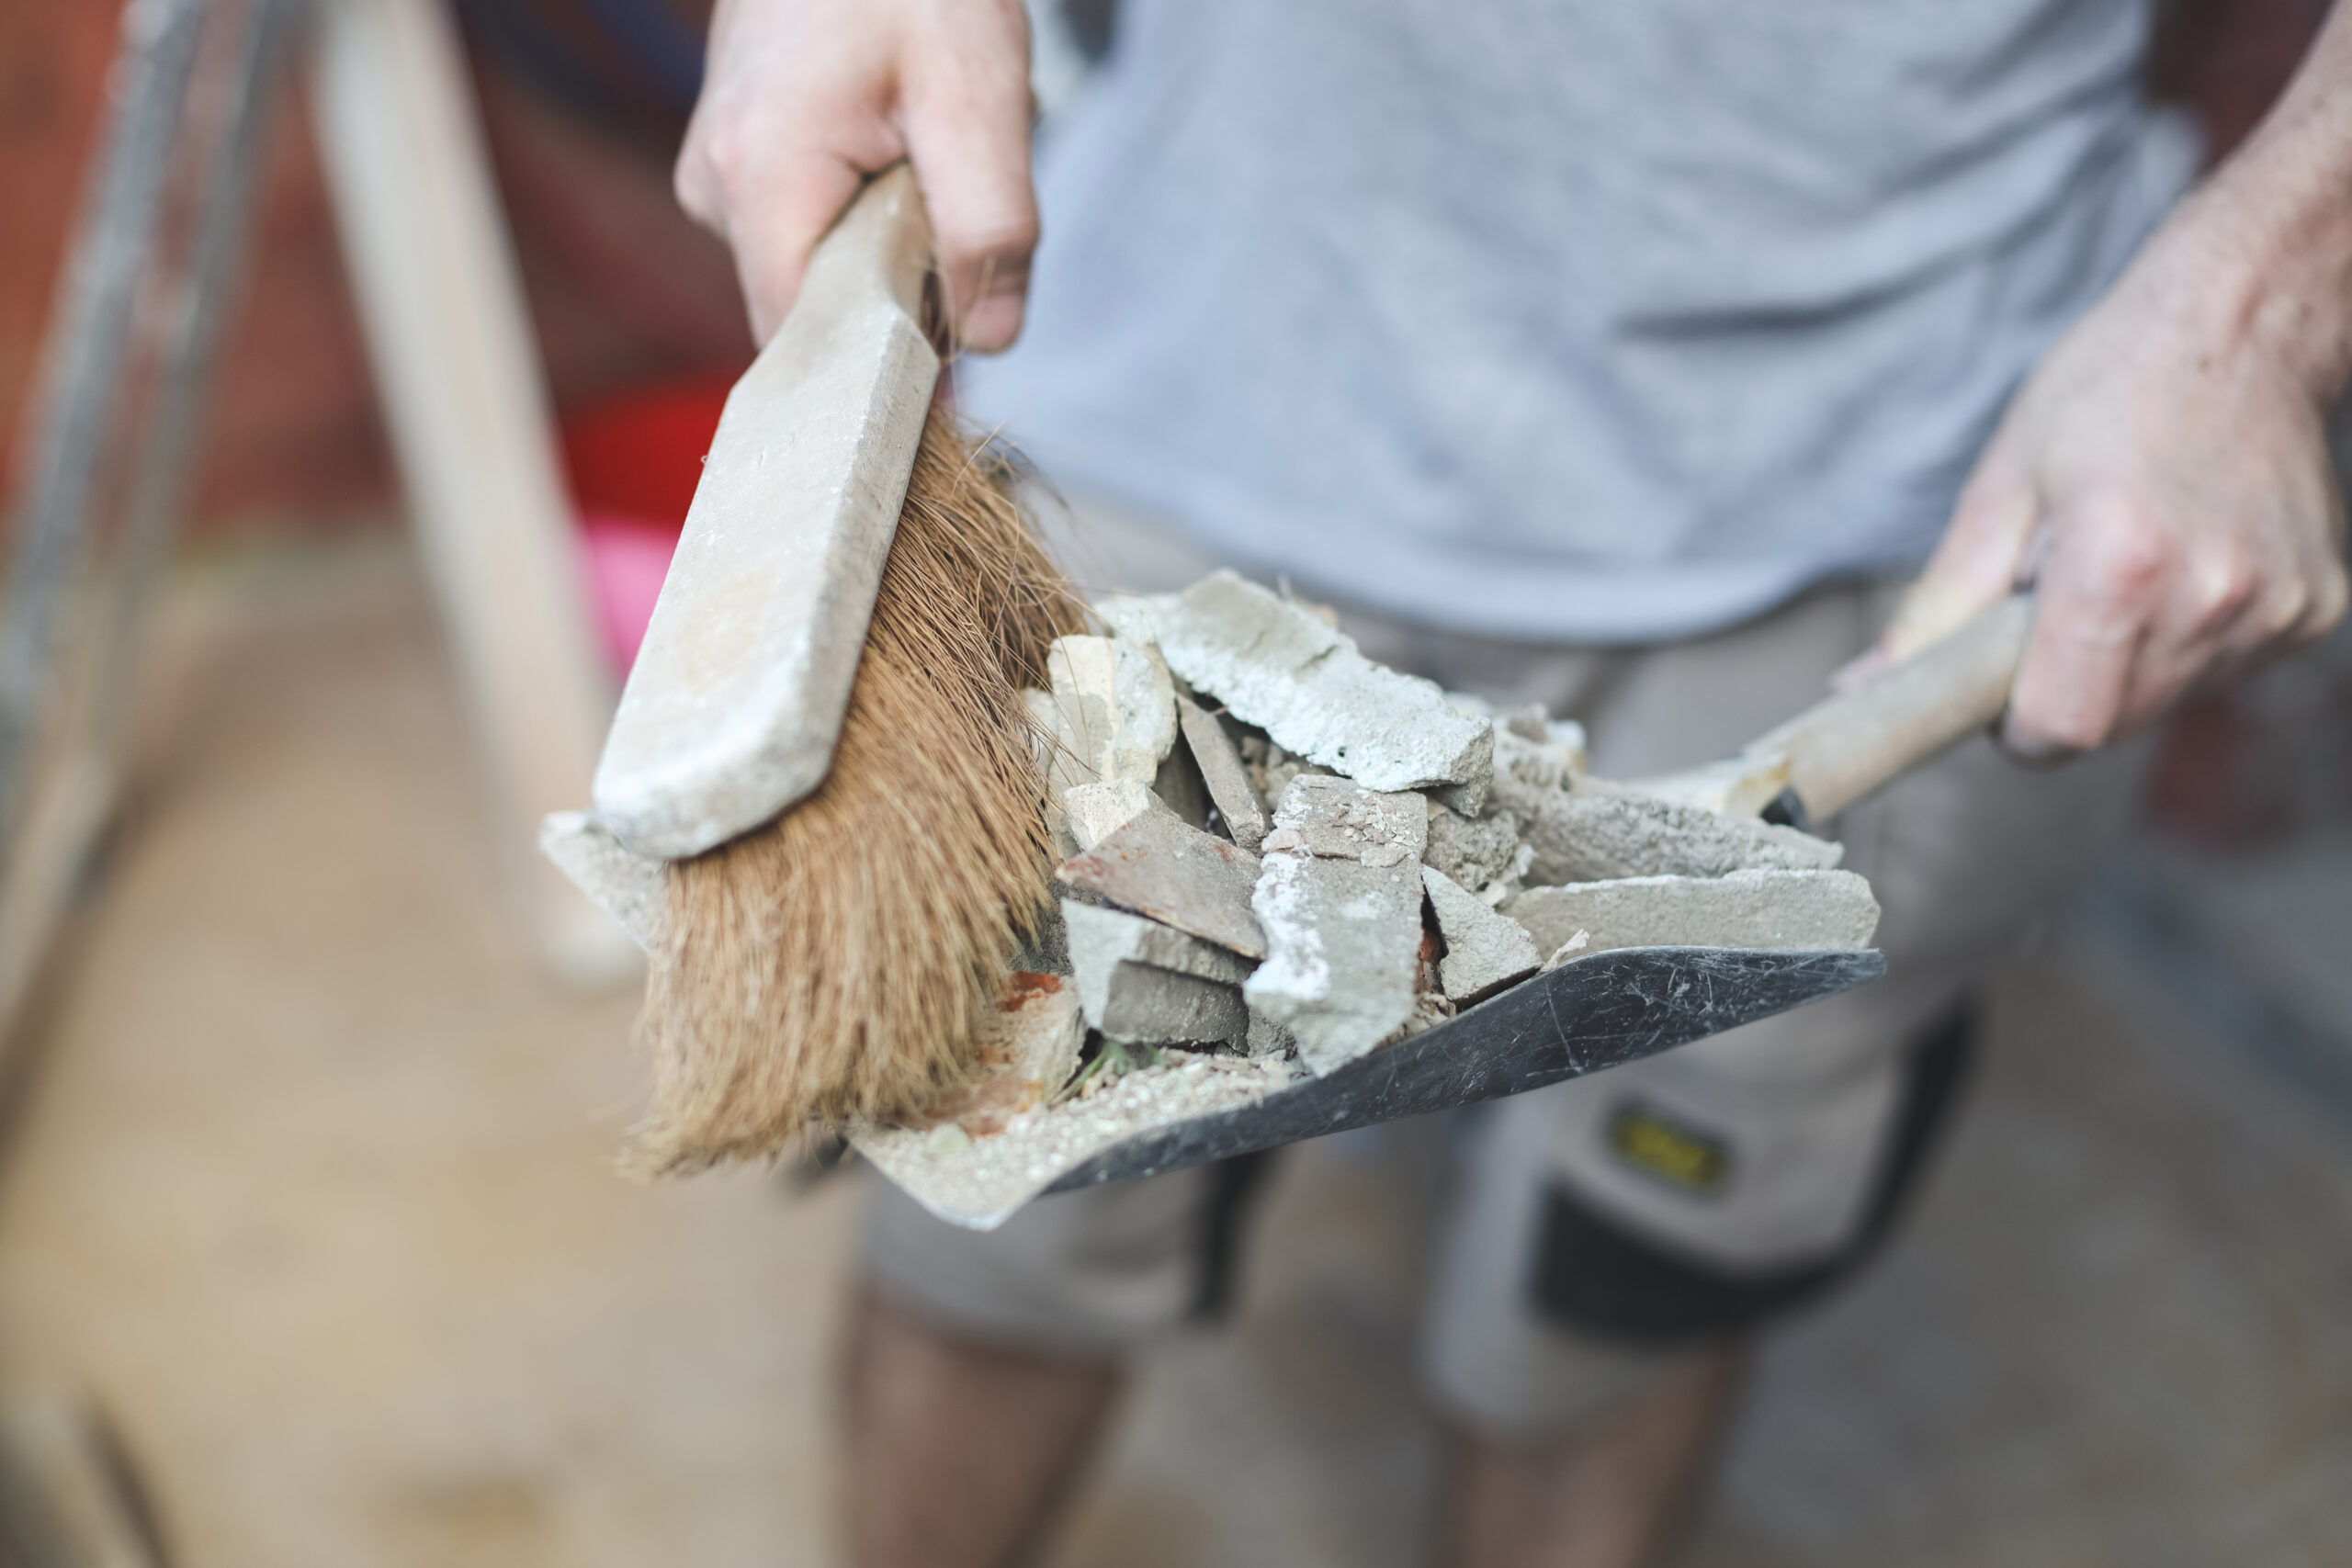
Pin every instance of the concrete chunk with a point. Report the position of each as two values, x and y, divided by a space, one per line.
1101 937
1326 816
1344 929
1222 772
1095 811
629 886
1115 706
1472 852
1484 951
1277 666
1768 908
1601 832
1177 875
1146 983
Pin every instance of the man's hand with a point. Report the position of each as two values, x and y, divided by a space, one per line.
2164 482
802 99
2163 479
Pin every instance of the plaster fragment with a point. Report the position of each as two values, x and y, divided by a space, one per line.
1760 908
1095 811
1114 709
1484 951
1276 665
1604 831
1343 936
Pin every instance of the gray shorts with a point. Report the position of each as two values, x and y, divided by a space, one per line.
1599 1229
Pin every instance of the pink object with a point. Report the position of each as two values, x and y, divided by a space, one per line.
627 557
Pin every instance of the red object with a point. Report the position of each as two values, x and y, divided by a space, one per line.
634 462
640 454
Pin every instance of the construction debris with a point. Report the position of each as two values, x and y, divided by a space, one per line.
1140 982
1095 811
1340 901
1112 713
1278 666
1033 1053
1157 866
1477 852
1758 909
1605 830
1484 951
1221 772
978 1182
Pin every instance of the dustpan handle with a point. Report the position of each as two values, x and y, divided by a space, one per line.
1854 743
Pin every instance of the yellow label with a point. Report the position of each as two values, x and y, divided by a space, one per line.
1675 1152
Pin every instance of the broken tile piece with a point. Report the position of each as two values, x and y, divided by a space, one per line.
1177 875
1328 816
1117 707
1140 981
1343 929
1764 908
1484 951
1222 772
1277 666
629 886
1603 831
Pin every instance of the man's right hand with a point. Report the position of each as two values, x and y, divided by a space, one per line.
802 99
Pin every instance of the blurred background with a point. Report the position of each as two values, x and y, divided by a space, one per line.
308 1230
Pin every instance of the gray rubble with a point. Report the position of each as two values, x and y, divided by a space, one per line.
1278 666
1159 867
1484 951
1603 831
1222 773
1340 901
1095 811
1475 852
1146 983
1761 909
1112 710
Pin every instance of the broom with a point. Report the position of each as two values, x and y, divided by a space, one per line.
843 962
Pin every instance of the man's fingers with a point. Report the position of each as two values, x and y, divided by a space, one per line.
984 219
967 118
801 196
2101 592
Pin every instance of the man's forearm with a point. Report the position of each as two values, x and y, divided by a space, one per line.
2271 231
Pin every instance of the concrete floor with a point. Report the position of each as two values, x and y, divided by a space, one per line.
311 1185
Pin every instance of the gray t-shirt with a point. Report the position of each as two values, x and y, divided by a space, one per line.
1584 319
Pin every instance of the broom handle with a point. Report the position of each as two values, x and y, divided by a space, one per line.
882 240
1854 743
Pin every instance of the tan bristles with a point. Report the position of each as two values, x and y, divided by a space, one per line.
840 962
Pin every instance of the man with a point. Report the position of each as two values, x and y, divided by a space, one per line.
1618 356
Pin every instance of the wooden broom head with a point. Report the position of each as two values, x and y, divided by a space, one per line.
843 962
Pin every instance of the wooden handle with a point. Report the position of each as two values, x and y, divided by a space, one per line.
1854 743
882 240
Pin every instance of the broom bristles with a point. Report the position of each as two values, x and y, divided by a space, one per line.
844 961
